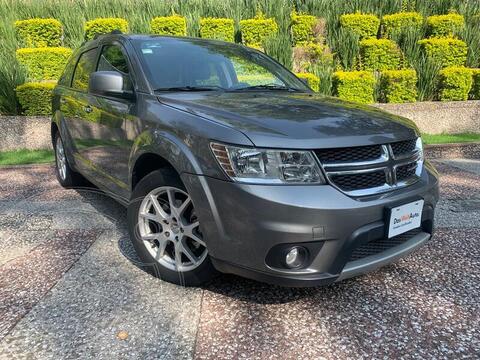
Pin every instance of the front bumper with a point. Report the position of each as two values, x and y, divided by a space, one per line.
244 224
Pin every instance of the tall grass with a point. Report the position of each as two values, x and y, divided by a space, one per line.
74 13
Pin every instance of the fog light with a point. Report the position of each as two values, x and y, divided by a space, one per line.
295 257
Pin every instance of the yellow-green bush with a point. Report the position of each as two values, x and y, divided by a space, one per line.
355 86
379 54
447 51
104 26
35 98
174 25
398 86
444 25
309 54
312 80
455 83
400 21
302 28
46 63
218 29
475 92
364 25
39 32
256 30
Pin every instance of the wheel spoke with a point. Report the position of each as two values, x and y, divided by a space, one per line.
188 252
178 257
153 236
158 208
161 249
149 216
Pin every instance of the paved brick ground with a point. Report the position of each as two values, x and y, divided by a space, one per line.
69 284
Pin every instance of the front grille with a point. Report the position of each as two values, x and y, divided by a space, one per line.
403 147
359 181
405 172
366 170
349 154
378 246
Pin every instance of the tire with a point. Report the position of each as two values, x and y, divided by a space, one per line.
167 238
66 176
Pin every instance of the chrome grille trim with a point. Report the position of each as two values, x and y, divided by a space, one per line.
387 162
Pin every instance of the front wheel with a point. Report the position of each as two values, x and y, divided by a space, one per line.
166 232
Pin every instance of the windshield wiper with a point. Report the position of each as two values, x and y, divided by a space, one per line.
189 88
267 87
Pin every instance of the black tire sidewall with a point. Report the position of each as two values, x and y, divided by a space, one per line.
195 277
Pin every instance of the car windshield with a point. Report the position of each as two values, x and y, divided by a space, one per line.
191 65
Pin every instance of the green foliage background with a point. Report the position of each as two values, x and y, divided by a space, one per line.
139 13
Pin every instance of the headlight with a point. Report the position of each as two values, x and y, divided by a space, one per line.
419 147
268 166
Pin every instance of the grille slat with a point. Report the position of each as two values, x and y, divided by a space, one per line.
378 246
405 172
360 181
403 147
349 154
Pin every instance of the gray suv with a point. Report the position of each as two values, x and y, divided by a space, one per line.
229 163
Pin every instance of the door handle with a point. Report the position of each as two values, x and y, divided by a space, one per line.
88 109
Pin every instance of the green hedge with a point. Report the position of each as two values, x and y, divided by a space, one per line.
35 98
256 30
355 86
397 22
44 63
218 29
475 92
39 32
398 86
447 51
445 25
455 83
365 25
174 25
104 26
379 54
302 28
312 80
309 54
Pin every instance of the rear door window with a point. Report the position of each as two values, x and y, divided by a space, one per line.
85 66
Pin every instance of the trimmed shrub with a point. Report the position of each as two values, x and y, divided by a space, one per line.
397 22
310 54
104 26
455 83
36 97
447 51
364 25
355 86
444 25
175 25
44 63
218 29
398 86
312 80
39 32
256 30
379 54
475 92
302 28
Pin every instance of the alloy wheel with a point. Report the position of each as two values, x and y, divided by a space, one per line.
61 158
169 229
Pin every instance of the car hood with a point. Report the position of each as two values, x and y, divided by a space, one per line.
295 120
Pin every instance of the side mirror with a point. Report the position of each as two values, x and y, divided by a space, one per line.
109 83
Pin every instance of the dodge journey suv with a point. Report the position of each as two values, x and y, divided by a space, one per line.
230 163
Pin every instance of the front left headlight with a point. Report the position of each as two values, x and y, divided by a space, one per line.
268 166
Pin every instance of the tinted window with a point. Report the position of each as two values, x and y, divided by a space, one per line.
113 59
172 63
67 73
85 66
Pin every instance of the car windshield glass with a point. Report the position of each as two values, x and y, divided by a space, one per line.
191 65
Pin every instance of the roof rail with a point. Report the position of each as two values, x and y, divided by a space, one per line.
113 32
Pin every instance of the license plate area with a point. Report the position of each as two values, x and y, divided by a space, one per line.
404 218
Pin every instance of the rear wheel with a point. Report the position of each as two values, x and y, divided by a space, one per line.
166 231
65 175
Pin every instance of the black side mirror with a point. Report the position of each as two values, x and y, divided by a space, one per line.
109 83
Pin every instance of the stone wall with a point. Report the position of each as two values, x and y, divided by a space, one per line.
23 132
440 117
